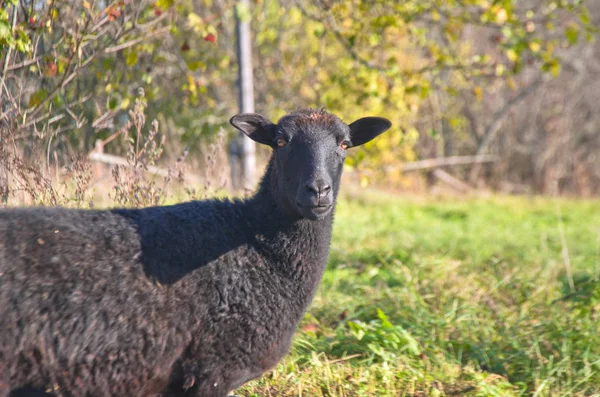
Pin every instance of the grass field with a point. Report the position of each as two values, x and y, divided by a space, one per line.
435 297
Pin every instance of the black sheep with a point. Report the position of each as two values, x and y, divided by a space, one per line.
193 299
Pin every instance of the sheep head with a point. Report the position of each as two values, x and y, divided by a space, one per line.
309 149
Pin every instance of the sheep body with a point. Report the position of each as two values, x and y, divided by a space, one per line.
152 301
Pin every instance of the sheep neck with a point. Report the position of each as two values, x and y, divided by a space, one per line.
296 247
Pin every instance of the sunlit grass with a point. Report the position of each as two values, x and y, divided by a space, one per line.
451 297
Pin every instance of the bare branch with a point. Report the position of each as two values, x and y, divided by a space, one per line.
138 40
493 128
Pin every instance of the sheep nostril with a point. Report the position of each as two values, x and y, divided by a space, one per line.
312 189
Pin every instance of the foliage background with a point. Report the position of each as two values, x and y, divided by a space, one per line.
512 78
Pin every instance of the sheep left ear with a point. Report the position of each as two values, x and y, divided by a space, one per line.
367 128
255 126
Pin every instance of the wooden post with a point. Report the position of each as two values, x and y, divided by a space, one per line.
99 167
246 148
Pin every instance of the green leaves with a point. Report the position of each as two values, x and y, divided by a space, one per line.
13 38
382 339
242 12
5 31
572 33
37 97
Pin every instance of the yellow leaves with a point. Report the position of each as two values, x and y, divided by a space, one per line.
373 83
340 8
364 181
165 4
456 122
388 157
374 39
322 75
195 22
191 82
512 84
434 50
453 29
294 16
345 64
347 23
266 37
535 46
125 103
192 88
306 91
131 57
478 92
501 16
512 55
225 62
553 66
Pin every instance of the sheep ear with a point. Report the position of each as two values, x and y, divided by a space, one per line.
367 128
255 126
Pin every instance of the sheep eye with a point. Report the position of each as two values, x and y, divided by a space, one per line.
281 142
344 145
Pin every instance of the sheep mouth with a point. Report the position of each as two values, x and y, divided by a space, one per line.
314 212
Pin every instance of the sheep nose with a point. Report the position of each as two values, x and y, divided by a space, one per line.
324 190
320 189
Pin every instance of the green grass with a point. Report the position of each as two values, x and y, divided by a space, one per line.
435 297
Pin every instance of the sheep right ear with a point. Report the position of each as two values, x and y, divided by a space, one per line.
367 128
255 126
